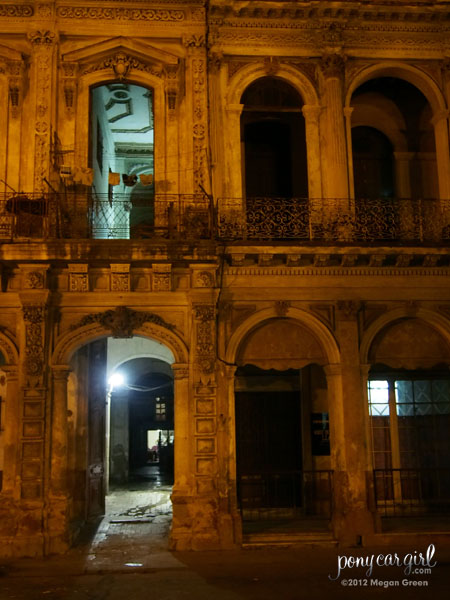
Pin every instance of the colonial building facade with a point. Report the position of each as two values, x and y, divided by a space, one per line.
252 201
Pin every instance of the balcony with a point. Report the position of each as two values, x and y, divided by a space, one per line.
403 222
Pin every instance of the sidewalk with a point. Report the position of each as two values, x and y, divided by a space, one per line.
127 558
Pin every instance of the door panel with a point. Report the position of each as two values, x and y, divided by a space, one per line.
268 444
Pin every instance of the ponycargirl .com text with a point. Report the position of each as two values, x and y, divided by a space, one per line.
413 563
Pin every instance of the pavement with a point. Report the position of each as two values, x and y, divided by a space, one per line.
126 556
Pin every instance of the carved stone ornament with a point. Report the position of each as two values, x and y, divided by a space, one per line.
333 65
119 13
282 307
34 280
123 321
42 37
33 315
348 308
194 41
204 314
16 10
204 279
122 64
162 278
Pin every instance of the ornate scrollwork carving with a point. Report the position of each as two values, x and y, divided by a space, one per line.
121 14
16 10
42 37
122 64
333 65
204 314
33 316
282 307
122 321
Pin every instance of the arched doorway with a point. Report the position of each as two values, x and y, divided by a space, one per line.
409 415
283 462
111 423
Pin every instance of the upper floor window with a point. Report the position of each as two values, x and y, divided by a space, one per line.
273 136
121 150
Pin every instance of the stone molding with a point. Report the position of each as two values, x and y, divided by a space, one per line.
122 321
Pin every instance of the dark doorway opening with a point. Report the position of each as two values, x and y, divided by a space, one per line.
268 443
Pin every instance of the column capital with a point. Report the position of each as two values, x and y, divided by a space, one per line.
180 370
11 372
348 111
311 112
364 370
235 108
333 370
60 371
333 66
404 155
230 371
440 115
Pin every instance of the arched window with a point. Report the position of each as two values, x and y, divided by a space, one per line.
395 109
273 135
121 156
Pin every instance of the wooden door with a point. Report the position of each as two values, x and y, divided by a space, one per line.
269 449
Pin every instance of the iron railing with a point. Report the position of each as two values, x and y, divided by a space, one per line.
195 216
333 220
97 216
285 494
412 492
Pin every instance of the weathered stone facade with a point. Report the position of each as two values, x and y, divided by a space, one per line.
221 290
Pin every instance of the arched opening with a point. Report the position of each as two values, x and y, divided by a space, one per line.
394 160
283 464
274 152
121 441
373 163
2 417
409 413
122 160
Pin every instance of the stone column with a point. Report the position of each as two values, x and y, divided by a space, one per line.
353 519
348 111
230 526
182 463
58 509
231 208
183 487
59 431
311 113
405 208
334 154
441 135
12 432
44 45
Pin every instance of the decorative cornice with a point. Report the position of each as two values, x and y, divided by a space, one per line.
120 14
122 321
338 271
16 10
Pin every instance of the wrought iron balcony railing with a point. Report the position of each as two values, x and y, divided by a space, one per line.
412 492
331 220
195 216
